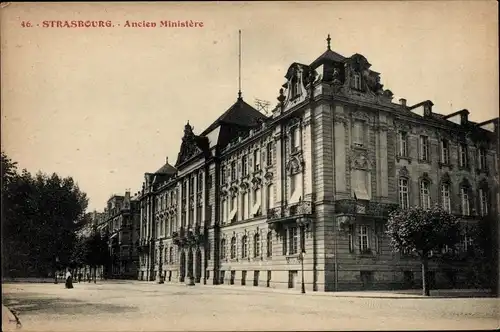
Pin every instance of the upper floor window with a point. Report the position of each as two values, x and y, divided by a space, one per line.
269 244
256 160
223 174
445 197
424 148
363 239
465 200
294 240
404 197
445 152
269 197
403 144
483 202
269 153
358 133
256 245
462 155
244 206
244 165
357 81
295 139
233 248
244 247
481 158
425 194
233 170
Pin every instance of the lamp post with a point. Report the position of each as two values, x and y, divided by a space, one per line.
160 265
190 259
301 257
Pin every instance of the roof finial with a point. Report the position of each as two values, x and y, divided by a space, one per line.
328 40
167 159
239 64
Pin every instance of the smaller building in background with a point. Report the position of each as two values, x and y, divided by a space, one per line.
122 229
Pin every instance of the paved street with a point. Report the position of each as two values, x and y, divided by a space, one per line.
140 306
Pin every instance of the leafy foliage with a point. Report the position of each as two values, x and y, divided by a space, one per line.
40 216
419 230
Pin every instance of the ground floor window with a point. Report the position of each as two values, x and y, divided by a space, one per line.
256 278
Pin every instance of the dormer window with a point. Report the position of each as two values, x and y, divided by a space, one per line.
357 81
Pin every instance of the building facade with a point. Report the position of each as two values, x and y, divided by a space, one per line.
121 225
305 192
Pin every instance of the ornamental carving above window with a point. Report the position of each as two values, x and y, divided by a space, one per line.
256 182
404 173
446 178
295 165
359 160
269 177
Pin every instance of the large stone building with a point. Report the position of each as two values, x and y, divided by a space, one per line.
121 226
256 200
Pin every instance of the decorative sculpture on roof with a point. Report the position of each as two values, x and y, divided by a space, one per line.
189 147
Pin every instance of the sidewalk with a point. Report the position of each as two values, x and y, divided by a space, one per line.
389 294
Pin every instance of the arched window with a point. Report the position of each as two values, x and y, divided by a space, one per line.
425 194
256 245
445 197
269 244
223 248
233 248
244 247
404 193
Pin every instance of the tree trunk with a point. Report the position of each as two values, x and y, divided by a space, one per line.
95 268
425 281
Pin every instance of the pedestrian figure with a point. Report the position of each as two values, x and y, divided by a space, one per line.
79 277
88 277
69 281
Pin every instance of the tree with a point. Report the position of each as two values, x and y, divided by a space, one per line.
40 216
485 251
422 231
97 252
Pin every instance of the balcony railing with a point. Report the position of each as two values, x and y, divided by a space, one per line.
190 236
295 210
364 208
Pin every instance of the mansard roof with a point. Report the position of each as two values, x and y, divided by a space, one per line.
166 169
240 114
327 56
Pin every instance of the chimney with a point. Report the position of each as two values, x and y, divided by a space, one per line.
402 101
428 108
464 117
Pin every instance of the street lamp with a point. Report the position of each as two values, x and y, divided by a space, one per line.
301 257
160 265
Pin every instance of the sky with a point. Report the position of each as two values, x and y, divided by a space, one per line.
106 105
